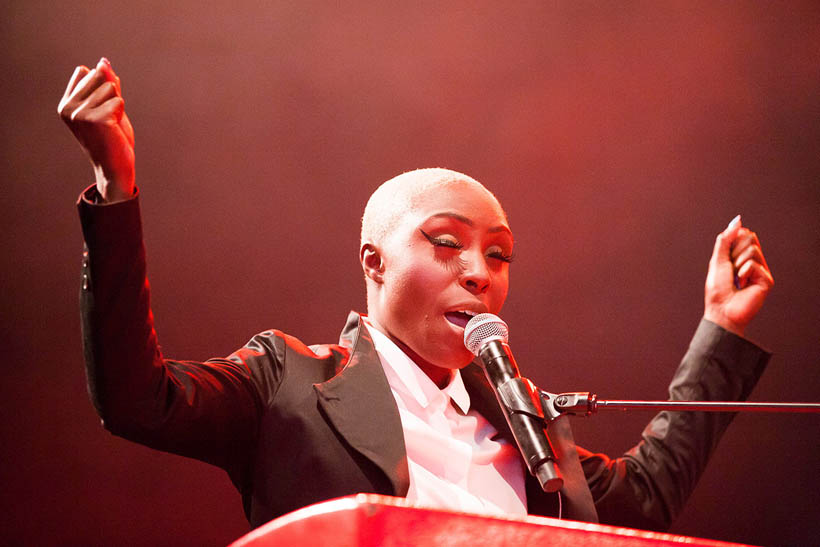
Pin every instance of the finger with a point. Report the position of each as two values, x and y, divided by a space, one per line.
745 237
755 272
100 95
111 109
83 89
87 110
108 71
79 72
752 252
750 240
90 82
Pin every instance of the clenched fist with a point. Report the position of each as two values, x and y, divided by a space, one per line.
738 280
93 108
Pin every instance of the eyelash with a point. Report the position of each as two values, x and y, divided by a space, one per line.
439 242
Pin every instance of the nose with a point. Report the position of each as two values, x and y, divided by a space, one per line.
475 276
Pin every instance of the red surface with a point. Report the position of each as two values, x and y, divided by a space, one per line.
381 521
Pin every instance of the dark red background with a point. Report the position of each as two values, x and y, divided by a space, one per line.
620 139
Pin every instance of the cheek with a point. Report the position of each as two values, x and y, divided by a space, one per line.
499 293
411 291
422 281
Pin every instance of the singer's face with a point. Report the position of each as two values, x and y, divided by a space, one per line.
448 259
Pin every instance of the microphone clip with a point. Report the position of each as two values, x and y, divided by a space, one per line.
520 396
573 403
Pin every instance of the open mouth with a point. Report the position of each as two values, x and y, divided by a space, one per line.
459 318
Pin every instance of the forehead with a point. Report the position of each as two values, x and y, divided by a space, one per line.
463 198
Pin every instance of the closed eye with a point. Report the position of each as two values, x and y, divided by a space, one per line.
452 244
442 242
508 258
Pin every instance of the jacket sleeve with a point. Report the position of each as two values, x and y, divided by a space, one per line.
207 411
648 486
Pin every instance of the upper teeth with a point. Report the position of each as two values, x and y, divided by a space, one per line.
470 313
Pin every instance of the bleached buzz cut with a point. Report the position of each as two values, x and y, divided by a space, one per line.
397 196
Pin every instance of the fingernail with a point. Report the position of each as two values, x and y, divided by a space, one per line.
735 222
104 61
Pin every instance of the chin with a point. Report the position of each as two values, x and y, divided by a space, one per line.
457 360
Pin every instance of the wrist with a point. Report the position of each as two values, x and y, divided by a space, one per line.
724 322
114 189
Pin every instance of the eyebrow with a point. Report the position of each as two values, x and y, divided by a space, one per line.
468 222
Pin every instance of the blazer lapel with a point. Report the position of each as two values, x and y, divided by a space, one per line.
577 499
482 398
360 405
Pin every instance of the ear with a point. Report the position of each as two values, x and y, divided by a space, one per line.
372 262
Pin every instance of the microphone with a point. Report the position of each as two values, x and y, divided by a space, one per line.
486 336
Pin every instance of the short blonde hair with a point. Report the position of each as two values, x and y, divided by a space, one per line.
397 196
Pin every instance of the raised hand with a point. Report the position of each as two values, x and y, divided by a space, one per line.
93 108
738 280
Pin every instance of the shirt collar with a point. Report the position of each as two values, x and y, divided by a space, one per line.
405 376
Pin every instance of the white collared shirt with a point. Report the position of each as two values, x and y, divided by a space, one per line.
453 460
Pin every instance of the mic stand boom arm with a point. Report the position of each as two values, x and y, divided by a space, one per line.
586 403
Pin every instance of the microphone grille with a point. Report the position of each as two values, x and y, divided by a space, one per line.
482 328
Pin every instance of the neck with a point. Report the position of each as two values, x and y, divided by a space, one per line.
438 375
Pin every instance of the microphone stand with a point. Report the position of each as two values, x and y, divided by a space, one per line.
585 403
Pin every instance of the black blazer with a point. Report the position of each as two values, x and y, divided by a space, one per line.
293 425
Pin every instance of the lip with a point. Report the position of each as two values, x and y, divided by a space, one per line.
474 307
